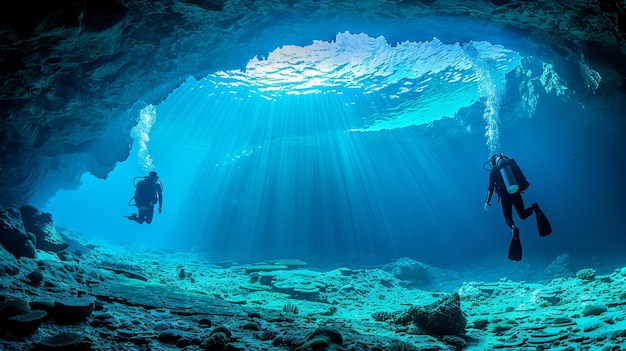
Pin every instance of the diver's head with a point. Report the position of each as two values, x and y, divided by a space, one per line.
494 161
153 176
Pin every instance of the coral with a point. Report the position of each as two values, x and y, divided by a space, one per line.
382 316
218 338
329 333
331 310
216 341
222 329
458 342
268 335
444 317
290 308
401 346
587 274
323 339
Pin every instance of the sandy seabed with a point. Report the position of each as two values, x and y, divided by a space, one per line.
128 297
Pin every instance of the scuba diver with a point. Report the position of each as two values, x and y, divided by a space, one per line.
148 192
508 181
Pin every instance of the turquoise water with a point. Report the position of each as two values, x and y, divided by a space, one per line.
362 149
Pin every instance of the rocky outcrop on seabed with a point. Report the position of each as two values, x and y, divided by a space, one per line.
95 296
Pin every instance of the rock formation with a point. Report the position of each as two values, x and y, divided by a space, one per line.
74 74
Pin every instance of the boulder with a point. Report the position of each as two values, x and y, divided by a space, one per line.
13 235
14 307
41 225
26 324
65 341
72 310
8 263
416 273
443 317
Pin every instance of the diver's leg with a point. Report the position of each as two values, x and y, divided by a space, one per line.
149 214
507 211
142 214
522 212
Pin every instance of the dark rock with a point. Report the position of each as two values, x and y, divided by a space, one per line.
317 343
329 333
8 263
26 324
72 310
593 310
40 224
125 269
358 347
268 335
407 269
382 316
14 307
443 317
401 346
481 324
13 236
46 305
288 339
217 341
222 329
173 336
106 320
456 341
35 277
251 326
64 341
204 322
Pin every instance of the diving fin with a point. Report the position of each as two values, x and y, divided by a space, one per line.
515 248
543 224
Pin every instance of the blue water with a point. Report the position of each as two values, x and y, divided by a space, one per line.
362 149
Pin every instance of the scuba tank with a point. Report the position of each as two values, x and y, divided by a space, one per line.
135 182
506 172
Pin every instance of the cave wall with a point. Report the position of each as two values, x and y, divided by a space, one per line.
73 73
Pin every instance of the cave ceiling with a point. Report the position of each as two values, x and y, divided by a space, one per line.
71 71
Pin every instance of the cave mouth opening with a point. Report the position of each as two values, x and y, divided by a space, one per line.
325 140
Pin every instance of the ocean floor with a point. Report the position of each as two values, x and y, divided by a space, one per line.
103 296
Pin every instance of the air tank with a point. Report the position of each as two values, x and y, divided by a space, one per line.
507 175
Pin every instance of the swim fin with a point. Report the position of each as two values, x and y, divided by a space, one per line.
543 224
515 248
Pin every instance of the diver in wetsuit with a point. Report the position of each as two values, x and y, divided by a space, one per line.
148 193
508 181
